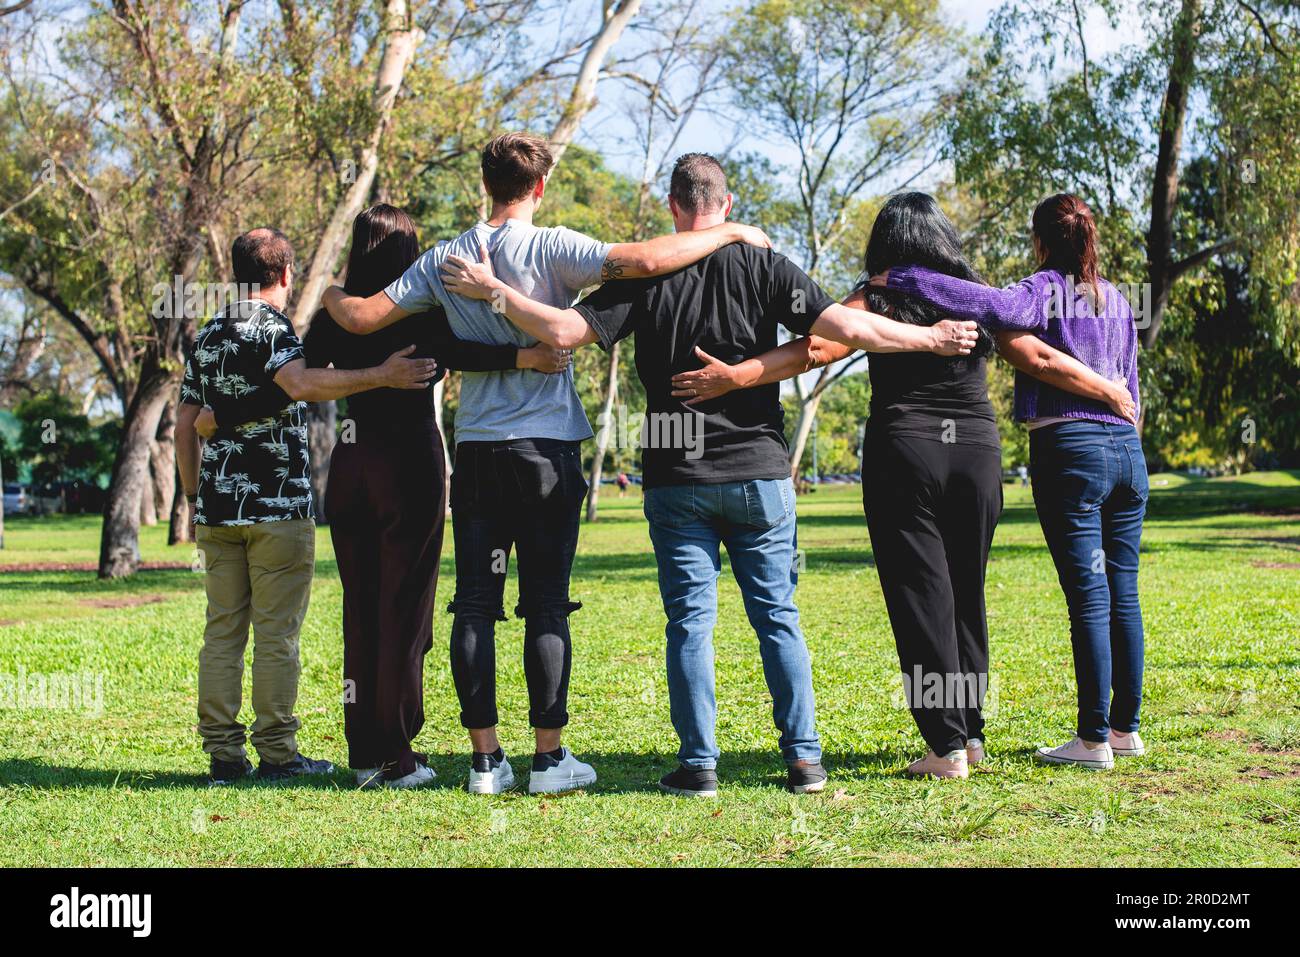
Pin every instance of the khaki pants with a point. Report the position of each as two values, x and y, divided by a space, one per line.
258 573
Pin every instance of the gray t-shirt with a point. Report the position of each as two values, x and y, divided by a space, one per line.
549 264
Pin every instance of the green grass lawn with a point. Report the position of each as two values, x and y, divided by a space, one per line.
1220 785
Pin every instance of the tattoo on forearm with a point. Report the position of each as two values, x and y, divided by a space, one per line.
612 268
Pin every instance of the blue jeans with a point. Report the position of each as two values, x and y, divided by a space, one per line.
756 521
1091 489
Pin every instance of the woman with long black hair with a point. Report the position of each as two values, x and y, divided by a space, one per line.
1090 476
386 500
932 489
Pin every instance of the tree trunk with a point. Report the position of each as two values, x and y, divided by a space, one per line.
119 548
162 462
439 392
583 97
321 436
180 527
1164 189
802 429
606 429
148 508
398 51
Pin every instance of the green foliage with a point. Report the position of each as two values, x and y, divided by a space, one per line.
58 444
1032 117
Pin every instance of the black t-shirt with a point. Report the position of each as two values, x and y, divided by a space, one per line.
925 396
728 304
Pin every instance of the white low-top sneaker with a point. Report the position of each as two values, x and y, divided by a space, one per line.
551 775
369 777
974 751
1078 753
422 775
1127 745
487 775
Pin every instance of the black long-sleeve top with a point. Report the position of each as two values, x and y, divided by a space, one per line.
328 343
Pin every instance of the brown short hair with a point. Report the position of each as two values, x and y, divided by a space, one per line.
260 256
698 184
513 165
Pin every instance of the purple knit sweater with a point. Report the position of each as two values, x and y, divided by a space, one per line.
1048 305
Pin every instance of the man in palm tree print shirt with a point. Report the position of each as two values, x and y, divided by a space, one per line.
252 502
258 471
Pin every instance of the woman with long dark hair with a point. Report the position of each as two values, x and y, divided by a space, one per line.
386 501
1089 472
932 490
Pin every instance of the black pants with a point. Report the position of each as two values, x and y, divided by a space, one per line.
931 511
526 494
385 503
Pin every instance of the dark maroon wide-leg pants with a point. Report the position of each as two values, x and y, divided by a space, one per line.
386 507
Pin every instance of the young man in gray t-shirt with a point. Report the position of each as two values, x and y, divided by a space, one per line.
518 480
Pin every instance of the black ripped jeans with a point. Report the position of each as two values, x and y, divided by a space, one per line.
526 494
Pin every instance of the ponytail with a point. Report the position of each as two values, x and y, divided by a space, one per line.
1067 231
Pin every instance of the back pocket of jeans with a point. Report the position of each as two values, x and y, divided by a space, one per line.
671 506
1079 476
768 502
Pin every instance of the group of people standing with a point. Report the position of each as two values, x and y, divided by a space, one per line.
501 303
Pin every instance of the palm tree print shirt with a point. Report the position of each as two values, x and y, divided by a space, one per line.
256 471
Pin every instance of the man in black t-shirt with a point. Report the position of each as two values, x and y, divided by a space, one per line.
719 472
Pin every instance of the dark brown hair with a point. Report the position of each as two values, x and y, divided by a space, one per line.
384 244
698 183
260 256
1067 231
513 165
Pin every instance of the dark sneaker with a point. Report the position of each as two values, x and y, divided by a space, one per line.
803 777
227 772
296 767
691 782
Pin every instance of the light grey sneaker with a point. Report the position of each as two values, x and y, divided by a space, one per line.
369 777
422 775
490 776
1078 753
1127 745
551 776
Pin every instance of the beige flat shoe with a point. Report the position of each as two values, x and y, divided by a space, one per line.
951 765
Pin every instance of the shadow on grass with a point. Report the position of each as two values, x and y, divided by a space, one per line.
620 772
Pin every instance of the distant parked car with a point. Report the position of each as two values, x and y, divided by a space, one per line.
16 500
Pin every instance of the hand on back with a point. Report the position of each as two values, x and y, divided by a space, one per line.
954 338
473 280
715 379
399 372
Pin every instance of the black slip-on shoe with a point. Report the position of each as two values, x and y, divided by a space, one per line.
296 767
805 777
691 782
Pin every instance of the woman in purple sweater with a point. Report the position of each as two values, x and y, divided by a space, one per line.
1090 476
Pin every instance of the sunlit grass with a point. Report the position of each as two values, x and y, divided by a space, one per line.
1221 785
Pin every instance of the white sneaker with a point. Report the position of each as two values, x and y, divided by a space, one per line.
369 777
1078 753
974 751
566 774
421 776
1128 745
490 776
